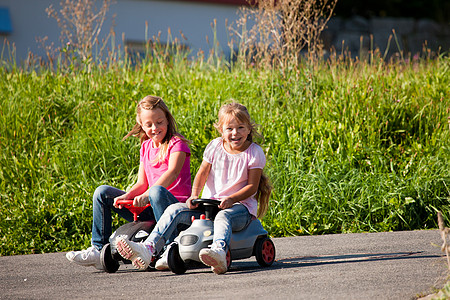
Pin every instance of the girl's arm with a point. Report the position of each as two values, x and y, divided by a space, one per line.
137 189
199 183
176 162
254 175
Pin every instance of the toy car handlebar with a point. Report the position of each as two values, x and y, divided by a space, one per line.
211 206
136 210
206 201
125 202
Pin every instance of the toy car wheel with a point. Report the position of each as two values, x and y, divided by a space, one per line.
109 264
264 251
175 262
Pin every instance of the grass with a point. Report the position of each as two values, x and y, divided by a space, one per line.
352 146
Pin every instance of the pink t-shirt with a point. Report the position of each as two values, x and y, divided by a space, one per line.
181 187
229 172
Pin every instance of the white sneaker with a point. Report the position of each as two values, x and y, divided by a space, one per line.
140 254
161 263
214 257
88 257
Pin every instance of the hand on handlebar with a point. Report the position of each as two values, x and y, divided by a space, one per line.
226 203
140 201
117 199
189 202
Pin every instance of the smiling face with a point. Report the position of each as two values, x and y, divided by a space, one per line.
235 133
155 124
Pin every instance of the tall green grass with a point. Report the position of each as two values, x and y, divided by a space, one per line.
352 146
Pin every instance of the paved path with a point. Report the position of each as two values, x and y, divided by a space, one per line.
395 265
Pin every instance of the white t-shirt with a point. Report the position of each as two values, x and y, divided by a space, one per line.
229 172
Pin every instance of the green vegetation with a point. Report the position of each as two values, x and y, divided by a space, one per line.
351 146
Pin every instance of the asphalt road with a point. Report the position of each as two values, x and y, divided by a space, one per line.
394 265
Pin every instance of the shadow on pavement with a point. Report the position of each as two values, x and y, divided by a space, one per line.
307 261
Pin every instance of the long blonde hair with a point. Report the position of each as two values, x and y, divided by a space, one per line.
150 103
241 113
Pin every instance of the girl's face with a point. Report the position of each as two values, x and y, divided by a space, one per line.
235 134
154 123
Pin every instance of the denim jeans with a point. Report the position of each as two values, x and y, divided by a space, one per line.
103 200
166 230
228 220
235 218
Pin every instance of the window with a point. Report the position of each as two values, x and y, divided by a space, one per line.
5 21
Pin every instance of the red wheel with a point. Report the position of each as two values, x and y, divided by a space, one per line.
265 252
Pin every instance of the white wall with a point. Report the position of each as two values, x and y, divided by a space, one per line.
30 21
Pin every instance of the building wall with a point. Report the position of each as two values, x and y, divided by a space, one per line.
194 18
358 34
30 22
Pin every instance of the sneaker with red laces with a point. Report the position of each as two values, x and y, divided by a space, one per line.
215 257
140 254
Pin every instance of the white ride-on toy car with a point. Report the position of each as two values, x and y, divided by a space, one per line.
251 241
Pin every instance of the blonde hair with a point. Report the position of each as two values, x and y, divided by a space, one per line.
152 103
240 112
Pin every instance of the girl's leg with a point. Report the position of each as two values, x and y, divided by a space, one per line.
103 201
141 254
160 198
228 220
166 229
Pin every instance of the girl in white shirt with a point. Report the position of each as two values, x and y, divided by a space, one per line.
232 172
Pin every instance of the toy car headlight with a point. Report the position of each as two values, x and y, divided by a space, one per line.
188 240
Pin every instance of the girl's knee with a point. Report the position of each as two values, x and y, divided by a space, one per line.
222 215
156 192
175 208
100 192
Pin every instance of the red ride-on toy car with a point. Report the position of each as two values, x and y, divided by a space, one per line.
135 231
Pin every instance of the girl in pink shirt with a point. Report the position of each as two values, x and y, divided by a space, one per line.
164 177
232 172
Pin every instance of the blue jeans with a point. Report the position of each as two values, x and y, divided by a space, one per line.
168 227
228 220
235 218
103 200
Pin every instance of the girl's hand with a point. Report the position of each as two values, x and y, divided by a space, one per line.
189 202
121 197
140 201
226 203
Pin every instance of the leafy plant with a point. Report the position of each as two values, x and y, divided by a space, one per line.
351 145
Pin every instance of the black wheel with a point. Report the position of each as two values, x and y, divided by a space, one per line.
109 264
176 264
264 251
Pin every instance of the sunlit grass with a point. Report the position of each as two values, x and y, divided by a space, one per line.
351 146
